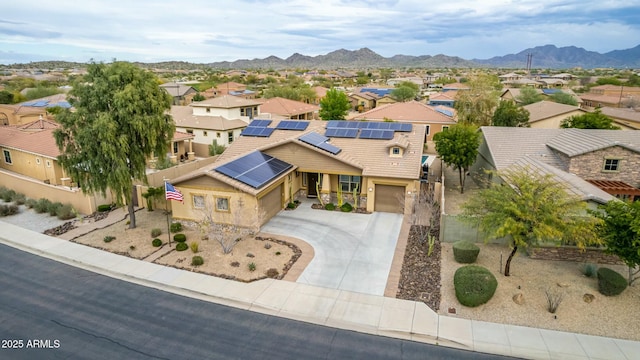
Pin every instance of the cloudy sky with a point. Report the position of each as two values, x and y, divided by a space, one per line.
207 31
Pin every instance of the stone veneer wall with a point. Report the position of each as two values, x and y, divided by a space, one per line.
570 253
590 166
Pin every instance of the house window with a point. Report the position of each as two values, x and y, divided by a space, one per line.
395 151
230 138
222 204
349 183
48 163
208 110
241 111
428 127
304 179
190 131
205 133
38 161
198 201
7 156
217 134
175 147
611 165
445 128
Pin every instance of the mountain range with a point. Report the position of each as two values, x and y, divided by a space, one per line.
546 57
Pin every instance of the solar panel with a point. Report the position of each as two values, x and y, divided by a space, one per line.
449 113
341 132
403 127
320 142
257 131
260 123
292 125
376 134
255 169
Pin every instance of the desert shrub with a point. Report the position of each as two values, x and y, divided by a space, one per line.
175 227
109 238
610 282
3 190
104 207
330 206
194 246
235 264
65 212
475 285
42 205
252 267
554 298
156 232
272 273
267 246
180 238
11 209
465 252
19 199
278 253
589 270
291 205
156 242
7 195
53 208
30 203
182 247
197 260
132 247
346 207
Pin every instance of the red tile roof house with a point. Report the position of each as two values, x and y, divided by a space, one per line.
432 119
288 109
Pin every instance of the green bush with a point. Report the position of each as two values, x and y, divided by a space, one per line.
7 195
180 238
53 208
610 282
66 212
42 206
475 285
19 199
291 205
104 207
3 190
31 203
252 267
182 247
175 227
109 238
156 242
197 260
589 270
194 246
465 252
11 209
346 207
330 206
156 232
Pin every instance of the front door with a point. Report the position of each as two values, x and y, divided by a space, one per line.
312 179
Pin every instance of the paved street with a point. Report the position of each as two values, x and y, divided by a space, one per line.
97 317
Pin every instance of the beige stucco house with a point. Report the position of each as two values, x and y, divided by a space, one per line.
549 115
258 175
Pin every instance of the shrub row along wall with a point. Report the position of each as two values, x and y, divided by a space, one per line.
570 253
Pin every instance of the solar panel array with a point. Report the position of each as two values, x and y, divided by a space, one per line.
448 113
260 123
255 169
320 142
350 129
296 125
257 131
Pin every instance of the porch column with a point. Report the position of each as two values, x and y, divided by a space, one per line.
325 191
191 154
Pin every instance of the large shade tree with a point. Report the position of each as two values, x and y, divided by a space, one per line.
458 147
528 95
621 232
334 106
530 208
509 114
120 120
405 91
594 120
477 104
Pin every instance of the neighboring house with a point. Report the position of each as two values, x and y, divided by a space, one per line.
181 94
447 99
321 92
432 119
549 115
509 77
626 119
231 88
550 92
259 174
454 87
609 96
412 79
32 110
385 100
363 101
593 164
289 109
228 106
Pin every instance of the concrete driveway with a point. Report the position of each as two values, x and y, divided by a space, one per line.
353 252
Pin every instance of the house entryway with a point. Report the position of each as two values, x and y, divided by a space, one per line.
312 179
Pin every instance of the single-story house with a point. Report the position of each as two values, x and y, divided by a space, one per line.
626 119
276 161
182 94
289 109
549 114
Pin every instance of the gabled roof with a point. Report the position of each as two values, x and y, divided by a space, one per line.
546 109
39 124
36 142
176 90
287 107
183 117
226 102
369 155
573 142
410 111
626 117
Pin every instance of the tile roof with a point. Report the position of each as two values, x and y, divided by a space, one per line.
546 109
627 117
36 142
287 107
226 102
372 156
39 124
183 117
175 89
410 111
573 142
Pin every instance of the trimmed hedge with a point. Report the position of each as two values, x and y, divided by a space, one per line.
155 232
156 242
465 252
104 207
175 227
346 207
181 238
610 282
330 206
475 285
182 247
197 261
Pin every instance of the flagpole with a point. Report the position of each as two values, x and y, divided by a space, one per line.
167 211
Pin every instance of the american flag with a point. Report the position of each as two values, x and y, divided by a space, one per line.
172 193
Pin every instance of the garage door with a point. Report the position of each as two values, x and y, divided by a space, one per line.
388 198
271 203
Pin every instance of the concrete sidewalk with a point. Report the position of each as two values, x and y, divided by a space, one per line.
331 307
